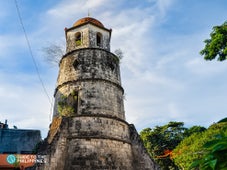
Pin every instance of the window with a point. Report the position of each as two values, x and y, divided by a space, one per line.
78 39
99 39
76 63
111 65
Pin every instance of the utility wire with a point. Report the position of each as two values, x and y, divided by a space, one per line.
31 53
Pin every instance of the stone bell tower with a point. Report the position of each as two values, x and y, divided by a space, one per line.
89 130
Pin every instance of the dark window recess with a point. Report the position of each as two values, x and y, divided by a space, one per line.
111 65
76 63
99 39
78 39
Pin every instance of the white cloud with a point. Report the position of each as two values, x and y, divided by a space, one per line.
160 71
95 4
23 103
66 9
174 111
164 5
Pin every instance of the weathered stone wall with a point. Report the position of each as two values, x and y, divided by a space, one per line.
56 151
71 38
89 143
93 30
105 154
18 141
88 39
98 127
89 131
89 63
93 143
141 158
95 75
94 97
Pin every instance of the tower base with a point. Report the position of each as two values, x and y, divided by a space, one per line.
70 147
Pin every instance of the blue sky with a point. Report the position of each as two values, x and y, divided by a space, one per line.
164 77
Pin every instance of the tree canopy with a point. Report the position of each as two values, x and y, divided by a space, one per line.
215 157
194 129
198 147
161 140
175 147
216 46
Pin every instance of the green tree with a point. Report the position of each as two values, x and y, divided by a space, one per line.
161 140
191 148
216 46
215 156
223 120
194 129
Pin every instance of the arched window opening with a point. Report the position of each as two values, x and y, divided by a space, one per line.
76 63
99 39
78 39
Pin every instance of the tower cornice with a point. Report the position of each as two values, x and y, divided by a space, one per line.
88 79
89 48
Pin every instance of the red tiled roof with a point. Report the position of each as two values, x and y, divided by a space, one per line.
88 20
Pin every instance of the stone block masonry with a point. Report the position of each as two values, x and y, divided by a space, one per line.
75 147
95 75
89 130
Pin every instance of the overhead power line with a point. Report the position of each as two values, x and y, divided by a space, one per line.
31 54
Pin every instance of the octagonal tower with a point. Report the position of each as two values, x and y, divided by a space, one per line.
89 130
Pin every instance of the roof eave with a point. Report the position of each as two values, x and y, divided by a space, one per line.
73 27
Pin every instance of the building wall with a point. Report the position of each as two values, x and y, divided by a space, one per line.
18 141
89 63
95 75
99 154
98 127
89 131
141 158
88 38
76 146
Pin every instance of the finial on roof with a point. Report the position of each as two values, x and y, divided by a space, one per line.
88 13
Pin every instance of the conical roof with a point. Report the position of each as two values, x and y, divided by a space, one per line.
86 20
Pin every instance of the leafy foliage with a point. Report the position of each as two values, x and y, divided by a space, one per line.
223 120
194 129
161 140
65 110
67 105
216 46
191 148
216 155
78 42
